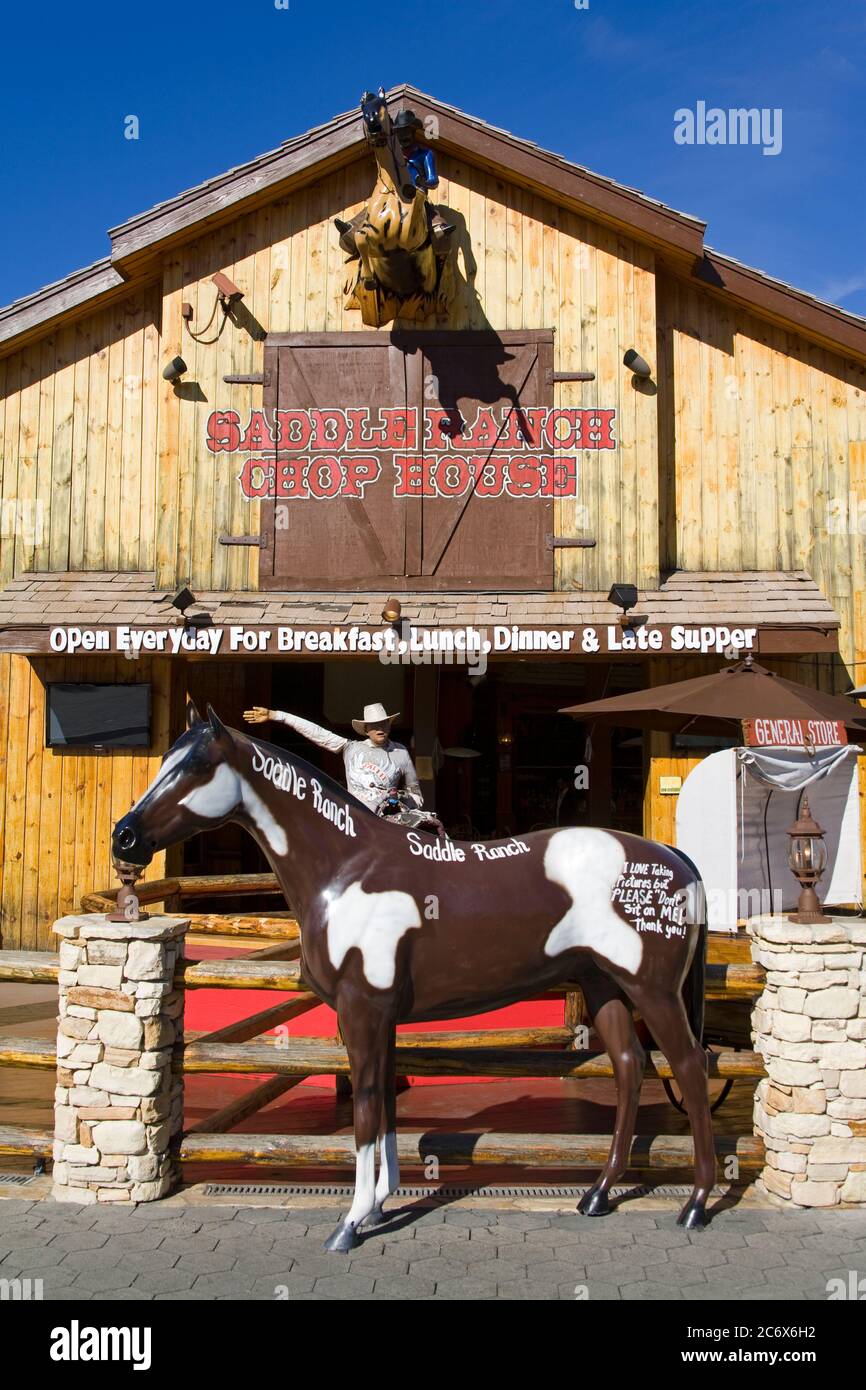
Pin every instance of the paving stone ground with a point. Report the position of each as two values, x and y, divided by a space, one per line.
212 1251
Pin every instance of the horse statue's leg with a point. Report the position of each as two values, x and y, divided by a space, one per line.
365 1030
612 1016
665 1016
389 1167
363 237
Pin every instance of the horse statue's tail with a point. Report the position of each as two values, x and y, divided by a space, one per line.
694 985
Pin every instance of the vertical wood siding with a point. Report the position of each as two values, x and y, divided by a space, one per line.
57 808
78 416
765 452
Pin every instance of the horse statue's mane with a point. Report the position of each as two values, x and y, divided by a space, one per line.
287 754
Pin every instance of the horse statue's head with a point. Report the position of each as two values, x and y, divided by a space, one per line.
196 789
374 114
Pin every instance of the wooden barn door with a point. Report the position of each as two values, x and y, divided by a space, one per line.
469 540
418 542
335 542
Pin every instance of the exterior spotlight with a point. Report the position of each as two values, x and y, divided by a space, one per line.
175 369
182 600
625 597
229 293
807 860
636 364
392 611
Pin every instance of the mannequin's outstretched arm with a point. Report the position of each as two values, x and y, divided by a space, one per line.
334 743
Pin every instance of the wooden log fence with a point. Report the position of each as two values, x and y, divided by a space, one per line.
560 1151
41 967
243 1048
426 1054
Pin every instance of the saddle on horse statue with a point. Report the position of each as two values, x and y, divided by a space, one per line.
397 808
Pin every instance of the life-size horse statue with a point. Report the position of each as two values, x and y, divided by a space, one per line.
398 926
400 251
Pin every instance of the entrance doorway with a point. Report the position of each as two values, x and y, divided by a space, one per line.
504 761
512 764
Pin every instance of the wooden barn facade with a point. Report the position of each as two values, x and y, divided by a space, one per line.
728 486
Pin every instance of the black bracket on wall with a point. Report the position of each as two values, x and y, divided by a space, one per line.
569 542
250 379
550 376
260 541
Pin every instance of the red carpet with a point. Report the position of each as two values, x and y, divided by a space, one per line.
207 1009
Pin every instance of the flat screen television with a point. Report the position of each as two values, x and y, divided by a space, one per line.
97 716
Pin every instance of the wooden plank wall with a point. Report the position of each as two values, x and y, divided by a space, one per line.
521 263
763 443
78 419
57 808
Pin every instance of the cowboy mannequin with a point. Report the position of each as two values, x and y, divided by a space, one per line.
421 164
376 767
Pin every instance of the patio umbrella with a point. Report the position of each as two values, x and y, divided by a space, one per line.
714 704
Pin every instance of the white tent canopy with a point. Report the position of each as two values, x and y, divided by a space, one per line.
733 814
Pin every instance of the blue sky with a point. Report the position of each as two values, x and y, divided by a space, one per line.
214 84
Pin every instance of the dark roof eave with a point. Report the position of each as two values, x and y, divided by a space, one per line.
79 287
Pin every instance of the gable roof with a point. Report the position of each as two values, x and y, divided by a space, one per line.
677 237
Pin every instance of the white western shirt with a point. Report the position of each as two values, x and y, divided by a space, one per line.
371 772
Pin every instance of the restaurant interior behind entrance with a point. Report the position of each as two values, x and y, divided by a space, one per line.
504 762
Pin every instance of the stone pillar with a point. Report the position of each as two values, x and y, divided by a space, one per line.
118 1111
809 1025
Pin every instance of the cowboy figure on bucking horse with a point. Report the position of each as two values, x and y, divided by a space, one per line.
400 240
421 164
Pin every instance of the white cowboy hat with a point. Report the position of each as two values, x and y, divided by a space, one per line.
373 714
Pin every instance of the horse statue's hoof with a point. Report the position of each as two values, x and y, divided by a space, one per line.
377 1216
344 1238
693 1217
594 1203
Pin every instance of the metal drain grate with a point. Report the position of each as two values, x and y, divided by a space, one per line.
17 1179
241 1189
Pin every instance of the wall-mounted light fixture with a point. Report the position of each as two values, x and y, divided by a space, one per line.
625 597
175 369
637 365
392 611
182 601
229 293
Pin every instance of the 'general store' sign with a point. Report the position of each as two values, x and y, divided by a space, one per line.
794 733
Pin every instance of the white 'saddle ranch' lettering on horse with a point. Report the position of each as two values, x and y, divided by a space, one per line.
620 915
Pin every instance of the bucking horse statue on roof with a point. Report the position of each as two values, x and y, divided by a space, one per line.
400 242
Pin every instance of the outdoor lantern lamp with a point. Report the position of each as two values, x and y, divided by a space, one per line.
392 611
807 860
